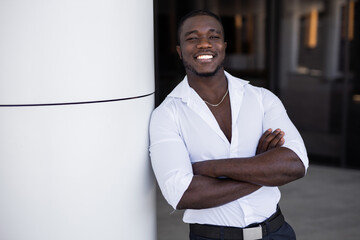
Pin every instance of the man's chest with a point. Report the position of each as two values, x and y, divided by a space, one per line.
205 138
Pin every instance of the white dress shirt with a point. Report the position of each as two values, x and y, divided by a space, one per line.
184 131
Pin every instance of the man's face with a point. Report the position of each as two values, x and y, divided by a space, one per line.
202 46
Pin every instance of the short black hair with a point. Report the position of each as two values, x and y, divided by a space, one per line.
195 13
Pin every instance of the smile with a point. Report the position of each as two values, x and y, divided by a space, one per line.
204 57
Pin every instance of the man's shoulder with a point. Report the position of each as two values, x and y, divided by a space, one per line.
240 83
178 94
260 93
166 104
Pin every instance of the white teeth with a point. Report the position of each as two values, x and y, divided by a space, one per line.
205 57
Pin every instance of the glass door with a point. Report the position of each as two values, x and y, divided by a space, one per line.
319 76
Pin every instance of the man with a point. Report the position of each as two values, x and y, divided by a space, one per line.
212 146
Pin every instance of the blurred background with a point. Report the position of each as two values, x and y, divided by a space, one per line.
307 52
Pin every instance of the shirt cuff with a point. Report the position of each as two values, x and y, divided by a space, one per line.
175 186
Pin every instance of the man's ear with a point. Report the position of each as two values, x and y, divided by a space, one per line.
178 49
225 44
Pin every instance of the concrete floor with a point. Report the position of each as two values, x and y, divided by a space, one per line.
323 205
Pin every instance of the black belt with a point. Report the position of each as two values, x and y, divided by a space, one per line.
251 232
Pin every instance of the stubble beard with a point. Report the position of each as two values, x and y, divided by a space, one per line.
190 68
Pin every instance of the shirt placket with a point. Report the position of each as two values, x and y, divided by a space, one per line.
236 98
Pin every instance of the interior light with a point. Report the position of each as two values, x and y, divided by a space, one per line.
311 40
238 21
351 20
356 98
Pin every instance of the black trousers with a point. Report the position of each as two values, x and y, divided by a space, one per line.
285 232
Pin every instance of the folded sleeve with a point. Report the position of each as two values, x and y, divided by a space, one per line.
275 116
169 156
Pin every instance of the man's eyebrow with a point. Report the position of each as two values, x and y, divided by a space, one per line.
196 31
216 31
190 32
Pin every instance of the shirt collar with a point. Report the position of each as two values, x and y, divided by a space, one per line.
186 93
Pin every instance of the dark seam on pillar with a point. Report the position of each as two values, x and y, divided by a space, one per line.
76 103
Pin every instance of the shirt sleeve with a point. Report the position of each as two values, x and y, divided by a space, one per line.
169 156
275 116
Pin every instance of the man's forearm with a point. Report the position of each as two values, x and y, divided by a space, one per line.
275 167
206 192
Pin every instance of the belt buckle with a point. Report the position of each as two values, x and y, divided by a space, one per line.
252 233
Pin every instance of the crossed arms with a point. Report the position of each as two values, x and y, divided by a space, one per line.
271 166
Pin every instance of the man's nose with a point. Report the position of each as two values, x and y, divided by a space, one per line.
204 43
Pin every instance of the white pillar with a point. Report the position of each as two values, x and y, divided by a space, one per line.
76 93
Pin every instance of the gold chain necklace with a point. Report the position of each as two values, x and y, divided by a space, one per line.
215 105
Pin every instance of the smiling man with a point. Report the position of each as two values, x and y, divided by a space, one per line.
212 147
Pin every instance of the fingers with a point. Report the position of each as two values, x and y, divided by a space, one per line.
265 135
277 139
270 140
262 143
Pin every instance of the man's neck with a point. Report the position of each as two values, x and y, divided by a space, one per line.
209 88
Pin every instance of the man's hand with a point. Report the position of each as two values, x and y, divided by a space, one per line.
270 140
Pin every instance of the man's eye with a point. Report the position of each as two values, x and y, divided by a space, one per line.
214 37
191 38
